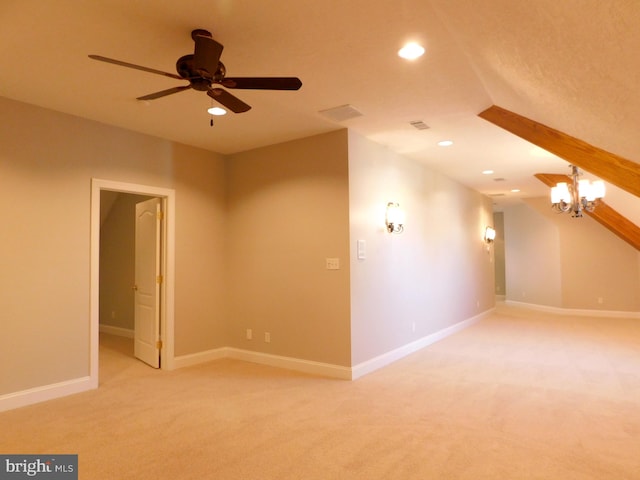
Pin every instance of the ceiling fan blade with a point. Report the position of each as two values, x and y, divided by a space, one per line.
207 55
137 67
225 98
164 93
262 83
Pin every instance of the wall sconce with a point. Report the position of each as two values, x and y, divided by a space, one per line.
489 235
394 218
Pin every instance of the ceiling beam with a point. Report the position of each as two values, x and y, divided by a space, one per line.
603 213
608 166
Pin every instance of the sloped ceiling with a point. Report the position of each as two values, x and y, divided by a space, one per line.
569 64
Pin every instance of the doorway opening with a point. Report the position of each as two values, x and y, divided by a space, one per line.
130 267
102 192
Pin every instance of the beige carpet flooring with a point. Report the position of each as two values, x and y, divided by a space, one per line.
520 395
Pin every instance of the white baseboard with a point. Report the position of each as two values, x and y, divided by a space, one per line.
388 358
290 363
574 311
325 369
46 392
200 357
119 331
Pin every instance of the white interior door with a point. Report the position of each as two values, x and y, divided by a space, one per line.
147 281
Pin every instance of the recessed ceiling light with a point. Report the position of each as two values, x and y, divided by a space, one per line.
217 111
411 51
515 190
445 143
487 172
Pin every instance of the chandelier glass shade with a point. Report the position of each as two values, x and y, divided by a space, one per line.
577 196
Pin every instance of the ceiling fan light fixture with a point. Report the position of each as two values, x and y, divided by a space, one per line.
216 111
411 51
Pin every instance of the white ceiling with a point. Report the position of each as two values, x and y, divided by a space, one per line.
570 64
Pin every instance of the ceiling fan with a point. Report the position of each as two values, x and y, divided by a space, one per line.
203 69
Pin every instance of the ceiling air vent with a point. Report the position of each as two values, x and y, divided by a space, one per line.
419 124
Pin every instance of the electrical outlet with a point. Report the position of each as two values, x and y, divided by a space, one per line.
333 263
249 334
267 337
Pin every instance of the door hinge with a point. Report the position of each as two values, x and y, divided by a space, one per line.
160 215
159 279
159 344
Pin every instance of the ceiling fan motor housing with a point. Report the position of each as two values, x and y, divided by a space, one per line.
199 79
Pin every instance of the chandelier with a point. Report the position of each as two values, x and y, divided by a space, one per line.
577 196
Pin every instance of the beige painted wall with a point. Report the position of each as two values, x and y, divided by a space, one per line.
200 183
288 212
532 257
47 160
574 262
498 249
435 274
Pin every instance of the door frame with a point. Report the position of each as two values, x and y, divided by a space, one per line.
167 288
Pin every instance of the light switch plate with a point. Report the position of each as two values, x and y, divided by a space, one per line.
361 249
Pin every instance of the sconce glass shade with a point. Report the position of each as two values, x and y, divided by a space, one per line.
489 234
394 218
